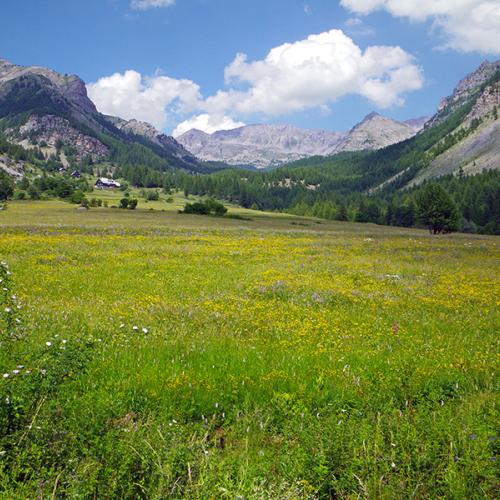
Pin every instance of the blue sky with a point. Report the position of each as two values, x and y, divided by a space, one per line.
176 56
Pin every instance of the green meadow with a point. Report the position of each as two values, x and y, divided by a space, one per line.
152 354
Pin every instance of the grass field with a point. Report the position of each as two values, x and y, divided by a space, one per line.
162 355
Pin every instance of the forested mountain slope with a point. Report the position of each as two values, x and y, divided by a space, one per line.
42 108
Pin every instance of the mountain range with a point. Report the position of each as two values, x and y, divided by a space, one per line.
264 146
40 108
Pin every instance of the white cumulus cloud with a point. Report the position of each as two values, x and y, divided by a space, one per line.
309 73
313 73
467 25
207 123
130 95
150 4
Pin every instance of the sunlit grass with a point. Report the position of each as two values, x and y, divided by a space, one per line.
211 357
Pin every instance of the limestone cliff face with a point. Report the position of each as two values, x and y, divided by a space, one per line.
486 102
54 130
468 88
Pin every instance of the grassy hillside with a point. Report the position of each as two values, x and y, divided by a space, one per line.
165 355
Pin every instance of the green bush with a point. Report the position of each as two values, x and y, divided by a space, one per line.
209 207
77 197
152 196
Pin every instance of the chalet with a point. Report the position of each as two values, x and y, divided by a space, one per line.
105 183
75 174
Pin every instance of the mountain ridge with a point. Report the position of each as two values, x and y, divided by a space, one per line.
40 106
265 145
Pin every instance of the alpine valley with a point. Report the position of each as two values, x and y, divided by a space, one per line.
373 171
279 299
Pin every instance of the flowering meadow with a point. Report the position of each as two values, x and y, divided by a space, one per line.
159 355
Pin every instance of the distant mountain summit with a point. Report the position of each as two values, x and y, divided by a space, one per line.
264 146
376 132
260 145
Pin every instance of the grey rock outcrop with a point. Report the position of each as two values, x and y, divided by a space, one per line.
52 130
153 135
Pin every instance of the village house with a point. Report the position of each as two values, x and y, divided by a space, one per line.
105 183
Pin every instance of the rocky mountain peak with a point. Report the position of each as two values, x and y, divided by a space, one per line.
146 130
470 84
375 132
70 86
371 116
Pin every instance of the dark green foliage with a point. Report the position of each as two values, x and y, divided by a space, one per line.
368 211
216 208
6 186
152 195
124 203
31 94
95 202
208 207
130 203
400 214
436 209
34 192
198 208
77 197
60 186
17 153
342 213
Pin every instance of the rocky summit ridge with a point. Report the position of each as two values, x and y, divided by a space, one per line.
266 145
